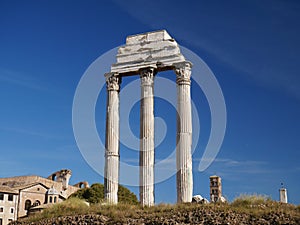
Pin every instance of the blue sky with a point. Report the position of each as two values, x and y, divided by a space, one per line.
252 47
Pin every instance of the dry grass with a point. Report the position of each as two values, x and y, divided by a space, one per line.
251 200
255 205
72 206
258 205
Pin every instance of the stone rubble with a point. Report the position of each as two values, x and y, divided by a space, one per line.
207 216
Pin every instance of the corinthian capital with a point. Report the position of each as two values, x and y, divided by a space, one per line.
183 72
147 75
113 81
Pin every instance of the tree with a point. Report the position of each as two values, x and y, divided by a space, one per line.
95 194
126 196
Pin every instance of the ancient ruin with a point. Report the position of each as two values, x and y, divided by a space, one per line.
22 195
146 55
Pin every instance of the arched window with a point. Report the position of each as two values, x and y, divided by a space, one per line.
50 199
27 204
55 199
36 203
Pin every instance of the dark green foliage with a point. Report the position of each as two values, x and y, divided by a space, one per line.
126 196
95 194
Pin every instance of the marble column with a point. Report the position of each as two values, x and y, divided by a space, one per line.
111 171
147 137
184 133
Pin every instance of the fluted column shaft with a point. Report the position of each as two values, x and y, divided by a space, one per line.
147 137
111 171
184 133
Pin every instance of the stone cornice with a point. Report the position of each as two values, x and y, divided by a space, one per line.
152 49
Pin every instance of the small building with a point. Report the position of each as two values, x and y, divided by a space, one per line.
18 195
283 195
215 189
8 205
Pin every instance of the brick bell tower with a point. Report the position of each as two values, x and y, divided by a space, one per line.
215 188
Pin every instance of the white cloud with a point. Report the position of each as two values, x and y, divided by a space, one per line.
30 132
20 79
232 169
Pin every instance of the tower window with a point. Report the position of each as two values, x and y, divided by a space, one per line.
1 196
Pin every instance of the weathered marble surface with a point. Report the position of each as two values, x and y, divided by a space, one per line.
153 49
147 137
111 170
184 133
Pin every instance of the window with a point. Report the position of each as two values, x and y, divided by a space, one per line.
214 183
214 191
50 199
1 209
36 203
54 177
11 210
1 196
27 204
10 197
55 199
1 221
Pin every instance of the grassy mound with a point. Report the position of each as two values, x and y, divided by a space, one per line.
254 209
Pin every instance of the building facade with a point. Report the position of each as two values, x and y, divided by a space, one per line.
19 195
8 205
283 195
